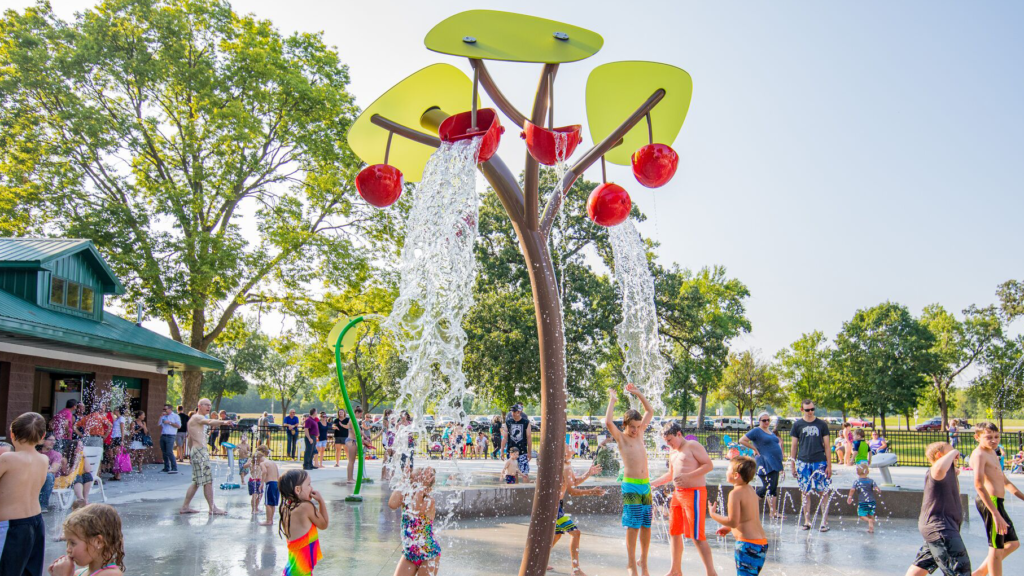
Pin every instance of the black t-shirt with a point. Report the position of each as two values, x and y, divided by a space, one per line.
941 512
517 432
810 440
340 431
496 430
323 430
184 422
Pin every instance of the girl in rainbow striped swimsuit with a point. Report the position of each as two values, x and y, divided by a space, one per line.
303 513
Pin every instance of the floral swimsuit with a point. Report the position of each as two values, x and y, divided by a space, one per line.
418 538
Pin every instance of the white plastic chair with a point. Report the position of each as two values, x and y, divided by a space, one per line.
93 455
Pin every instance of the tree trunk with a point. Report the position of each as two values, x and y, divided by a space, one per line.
216 403
907 416
882 413
943 405
701 410
284 408
190 385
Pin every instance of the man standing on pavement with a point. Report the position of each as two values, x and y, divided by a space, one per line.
291 426
181 437
263 426
311 430
199 457
169 426
811 467
517 434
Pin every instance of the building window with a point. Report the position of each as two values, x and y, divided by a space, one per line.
87 297
57 291
74 294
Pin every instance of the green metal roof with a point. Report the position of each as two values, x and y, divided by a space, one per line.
33 253
113 334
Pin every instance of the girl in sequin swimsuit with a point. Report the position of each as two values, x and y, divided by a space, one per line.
422 554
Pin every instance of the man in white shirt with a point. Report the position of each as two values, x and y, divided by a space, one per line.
169 425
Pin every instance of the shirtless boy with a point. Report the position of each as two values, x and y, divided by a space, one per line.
688 464
511 472
270 474
743 518
22 475
199 457
636 482
564 523
991 484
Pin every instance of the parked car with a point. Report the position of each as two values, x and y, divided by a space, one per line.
535 423
781 424
832 420
691 424
860 423
428 421
248 423
576 425
444 421
731 424
480 423
933 424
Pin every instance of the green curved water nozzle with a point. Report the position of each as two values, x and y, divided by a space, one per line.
356 429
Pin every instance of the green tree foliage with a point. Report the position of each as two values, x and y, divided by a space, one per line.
200 149
700 313
750 383
243 352
958 344
886 352
1011 299
281 374
1001 386
805 367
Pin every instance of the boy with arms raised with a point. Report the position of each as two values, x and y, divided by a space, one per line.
743 518
688 464
636 482
941 516
22 474
992 485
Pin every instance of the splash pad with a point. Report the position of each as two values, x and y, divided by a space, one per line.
428 110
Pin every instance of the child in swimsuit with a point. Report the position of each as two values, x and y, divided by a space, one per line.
422 554
743 518
302 515
94 540
22 474
564 524
511 472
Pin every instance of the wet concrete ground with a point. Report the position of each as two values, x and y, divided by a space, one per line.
364 538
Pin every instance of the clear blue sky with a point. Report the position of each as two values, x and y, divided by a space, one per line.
836 154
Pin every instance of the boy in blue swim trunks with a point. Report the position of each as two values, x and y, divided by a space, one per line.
743 518
564 524
636 482
270 475
865 489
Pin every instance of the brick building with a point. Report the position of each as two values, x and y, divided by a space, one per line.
57 342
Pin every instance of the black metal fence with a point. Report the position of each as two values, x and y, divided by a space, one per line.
908 446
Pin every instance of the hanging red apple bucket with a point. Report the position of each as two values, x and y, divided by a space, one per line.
543 143
459 127
654 165
380 184
609 204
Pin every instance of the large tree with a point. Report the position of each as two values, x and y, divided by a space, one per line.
699 313
750 383
1001 386
201 150
886 352
958 344
804 367
243 351
1011 299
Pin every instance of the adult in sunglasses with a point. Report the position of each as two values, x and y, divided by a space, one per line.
811 467
767 449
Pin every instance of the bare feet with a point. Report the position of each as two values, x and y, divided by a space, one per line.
644 571
631 571
350 482
266 523
674 574
577 572
188 511
217 512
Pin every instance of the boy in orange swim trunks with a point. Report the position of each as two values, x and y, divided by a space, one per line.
688 464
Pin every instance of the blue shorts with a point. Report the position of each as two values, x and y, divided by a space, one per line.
563 522
636 503
273 494
866 509
749 558
524 463
255 487
812 478
510 479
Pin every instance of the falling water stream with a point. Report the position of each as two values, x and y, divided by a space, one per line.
638 332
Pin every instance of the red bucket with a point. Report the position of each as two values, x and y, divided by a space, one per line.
457 128
541 142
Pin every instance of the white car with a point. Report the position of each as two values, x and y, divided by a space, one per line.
731 424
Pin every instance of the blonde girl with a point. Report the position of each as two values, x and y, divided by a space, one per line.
301 519
421 554
94 541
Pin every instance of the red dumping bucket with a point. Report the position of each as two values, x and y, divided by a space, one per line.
542 143
457 128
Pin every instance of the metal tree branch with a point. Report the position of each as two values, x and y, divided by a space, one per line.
593 155
496 95
405 131
532 170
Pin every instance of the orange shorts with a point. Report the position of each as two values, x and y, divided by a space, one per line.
687 512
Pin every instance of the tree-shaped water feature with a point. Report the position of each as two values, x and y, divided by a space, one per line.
635 110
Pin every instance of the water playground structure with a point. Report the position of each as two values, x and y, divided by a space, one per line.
634 110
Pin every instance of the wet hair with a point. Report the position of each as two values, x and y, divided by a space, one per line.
30 428
672 429
513 449
263 449
102 521
863 470
71 403
630 416
858 432
745 466
982 427
935 450
287 485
